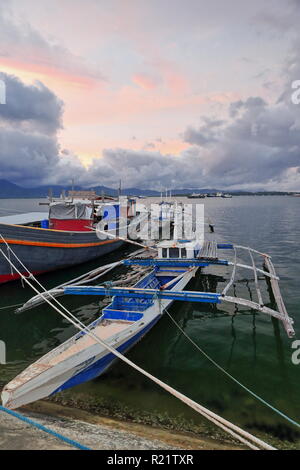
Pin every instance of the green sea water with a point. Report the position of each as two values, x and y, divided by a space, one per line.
251 346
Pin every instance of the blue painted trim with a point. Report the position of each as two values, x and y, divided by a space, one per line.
172 263
187 296
121 315
225 246
102 364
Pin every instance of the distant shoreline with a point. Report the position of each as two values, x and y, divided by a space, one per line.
173 195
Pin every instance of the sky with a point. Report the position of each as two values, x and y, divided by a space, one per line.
159 94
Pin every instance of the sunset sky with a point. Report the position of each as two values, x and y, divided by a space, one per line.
158 93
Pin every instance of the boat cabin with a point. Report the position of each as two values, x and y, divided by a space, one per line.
179 249
73 216
81 215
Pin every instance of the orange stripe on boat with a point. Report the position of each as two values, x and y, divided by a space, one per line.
56 245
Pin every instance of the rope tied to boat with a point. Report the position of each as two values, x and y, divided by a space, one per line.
280 413
11 269
241 435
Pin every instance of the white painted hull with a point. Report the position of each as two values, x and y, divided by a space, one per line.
81 358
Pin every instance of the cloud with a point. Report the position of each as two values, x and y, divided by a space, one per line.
257 146
30 106
24 48
25 157
29 148
204 135
272 17
147 82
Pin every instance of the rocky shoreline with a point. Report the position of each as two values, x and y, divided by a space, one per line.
98 424
103 433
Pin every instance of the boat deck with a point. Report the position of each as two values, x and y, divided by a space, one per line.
209 250
104 330
21 219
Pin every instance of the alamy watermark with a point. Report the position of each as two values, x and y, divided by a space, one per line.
296 94
2 352
296 353
2 92
164 221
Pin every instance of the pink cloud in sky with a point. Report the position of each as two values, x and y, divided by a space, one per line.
145 81
175 79
49 74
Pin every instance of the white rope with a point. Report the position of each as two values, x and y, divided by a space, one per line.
127 240
11 269
231 376
31 276
240 434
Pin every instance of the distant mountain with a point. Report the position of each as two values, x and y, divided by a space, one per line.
10 190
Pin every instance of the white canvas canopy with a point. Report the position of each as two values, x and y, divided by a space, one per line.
75 210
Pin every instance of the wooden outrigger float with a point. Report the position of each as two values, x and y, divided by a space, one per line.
133 312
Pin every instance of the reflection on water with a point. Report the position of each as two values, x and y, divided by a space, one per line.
249 345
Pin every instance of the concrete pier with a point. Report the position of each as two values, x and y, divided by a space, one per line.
95 432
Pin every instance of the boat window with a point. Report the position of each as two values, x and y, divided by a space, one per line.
164 252
183 252
173 252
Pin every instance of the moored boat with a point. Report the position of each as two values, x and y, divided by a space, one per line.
133 312
63 238
121 324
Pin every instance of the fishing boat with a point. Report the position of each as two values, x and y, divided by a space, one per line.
121 324
134 311
64 236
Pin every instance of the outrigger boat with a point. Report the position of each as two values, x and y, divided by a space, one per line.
134 311
64 236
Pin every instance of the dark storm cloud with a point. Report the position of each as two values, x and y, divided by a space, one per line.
26 157
204 135
148 169
257 146
30 106
29 149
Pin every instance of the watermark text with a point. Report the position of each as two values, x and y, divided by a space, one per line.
2 92
296 353
296 94
2 352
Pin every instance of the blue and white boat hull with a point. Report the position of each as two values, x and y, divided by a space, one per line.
81 358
